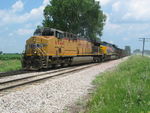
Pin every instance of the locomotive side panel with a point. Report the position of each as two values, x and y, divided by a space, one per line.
70 47
85 48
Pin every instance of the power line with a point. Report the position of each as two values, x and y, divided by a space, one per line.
144 40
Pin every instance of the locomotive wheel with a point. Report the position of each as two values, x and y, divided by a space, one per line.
69 64
99 60
95 59
54 66
62 65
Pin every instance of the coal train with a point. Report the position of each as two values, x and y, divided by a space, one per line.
51 47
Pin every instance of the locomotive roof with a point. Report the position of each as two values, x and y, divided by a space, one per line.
74 36
110 44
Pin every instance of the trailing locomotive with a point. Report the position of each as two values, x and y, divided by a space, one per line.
51 47
111 51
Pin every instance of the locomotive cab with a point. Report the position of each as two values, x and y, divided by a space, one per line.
36 49
40 47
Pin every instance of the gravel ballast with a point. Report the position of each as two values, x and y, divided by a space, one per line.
54 95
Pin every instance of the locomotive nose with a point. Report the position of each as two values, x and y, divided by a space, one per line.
34 39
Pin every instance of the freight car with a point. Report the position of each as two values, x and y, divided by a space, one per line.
51 47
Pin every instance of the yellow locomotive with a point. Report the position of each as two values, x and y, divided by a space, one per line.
50 47
109 51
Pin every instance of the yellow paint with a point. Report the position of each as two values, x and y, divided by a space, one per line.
103 49
58 47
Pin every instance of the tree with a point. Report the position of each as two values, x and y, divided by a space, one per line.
1 52
81 17
128 50
137 51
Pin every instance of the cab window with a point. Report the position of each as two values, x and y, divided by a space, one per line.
47 32
59 35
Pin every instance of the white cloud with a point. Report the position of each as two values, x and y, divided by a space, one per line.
116 6
24 31
138 10
11 17
111 26
45 2
18 6
104 2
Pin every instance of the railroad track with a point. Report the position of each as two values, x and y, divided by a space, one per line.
21 71
6 84
11 73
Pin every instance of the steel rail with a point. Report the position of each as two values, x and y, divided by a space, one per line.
36 75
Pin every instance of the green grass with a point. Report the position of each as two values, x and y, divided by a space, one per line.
124 90
10 62
10 56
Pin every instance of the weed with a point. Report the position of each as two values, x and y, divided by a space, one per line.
124 90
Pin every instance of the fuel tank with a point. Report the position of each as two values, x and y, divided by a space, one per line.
85 59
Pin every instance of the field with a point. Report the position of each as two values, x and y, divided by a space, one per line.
123 90
10 62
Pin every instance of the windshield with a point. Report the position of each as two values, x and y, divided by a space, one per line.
43 32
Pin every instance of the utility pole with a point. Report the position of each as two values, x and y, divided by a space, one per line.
144 40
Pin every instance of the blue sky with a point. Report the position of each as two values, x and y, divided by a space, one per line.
127 20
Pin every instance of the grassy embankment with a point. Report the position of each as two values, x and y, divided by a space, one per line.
124 90
10 62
